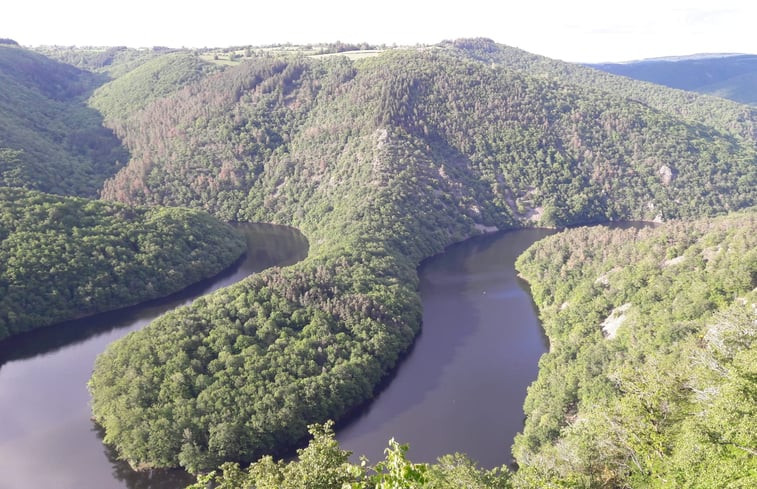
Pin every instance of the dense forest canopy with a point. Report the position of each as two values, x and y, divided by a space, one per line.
724 115
650 377
49 139
381 161
65 257
649 381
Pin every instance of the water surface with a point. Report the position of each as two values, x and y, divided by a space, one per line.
462 387
47 439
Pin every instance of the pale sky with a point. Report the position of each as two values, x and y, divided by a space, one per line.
571 30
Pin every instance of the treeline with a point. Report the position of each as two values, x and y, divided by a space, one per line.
49 139
539 150
650 377
381 162
63 257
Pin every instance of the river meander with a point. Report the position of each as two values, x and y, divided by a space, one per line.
461 388
47 439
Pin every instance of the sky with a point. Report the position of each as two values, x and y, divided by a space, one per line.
571 30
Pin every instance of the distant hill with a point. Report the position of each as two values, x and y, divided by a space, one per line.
731 76
157 77
49 139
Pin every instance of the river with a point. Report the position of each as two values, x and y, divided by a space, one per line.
47 439
461 388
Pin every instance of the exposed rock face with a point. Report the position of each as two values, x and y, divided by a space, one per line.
666 174
614 320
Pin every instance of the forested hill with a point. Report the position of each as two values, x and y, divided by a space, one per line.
65 257
154 78
49 139
650 380
270 128
381 162
731 76
725 115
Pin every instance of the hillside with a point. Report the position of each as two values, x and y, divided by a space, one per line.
49 139
650 377
381 162
649 381
153 79
64 257
731 76
724 115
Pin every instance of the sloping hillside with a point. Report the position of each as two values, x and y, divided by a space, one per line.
381 162
731 76
155 78
650 377
65 257
49 139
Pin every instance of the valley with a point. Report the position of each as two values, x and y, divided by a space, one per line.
382 161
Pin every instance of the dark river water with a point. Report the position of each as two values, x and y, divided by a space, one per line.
461 388
47 439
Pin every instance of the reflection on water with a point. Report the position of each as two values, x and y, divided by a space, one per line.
461 389
47 438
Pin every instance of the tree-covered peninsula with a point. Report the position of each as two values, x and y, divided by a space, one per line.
381 161
67 257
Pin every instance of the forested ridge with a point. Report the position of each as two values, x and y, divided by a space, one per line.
578 152
49 139
725 115
731 76
65 257
381 162
650 377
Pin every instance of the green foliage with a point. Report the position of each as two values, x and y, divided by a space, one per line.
323 465
397 472
63 257
510 141
723 115
381 162
49 139
666 396
113 61
156 78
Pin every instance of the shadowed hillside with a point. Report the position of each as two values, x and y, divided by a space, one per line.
731 76
49 139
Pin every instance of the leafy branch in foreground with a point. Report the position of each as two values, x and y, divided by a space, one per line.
324 465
